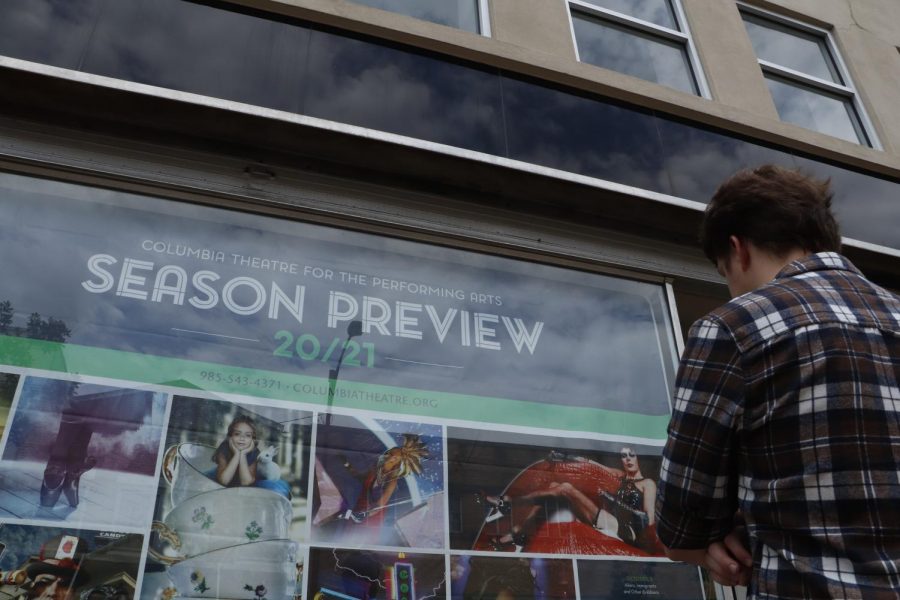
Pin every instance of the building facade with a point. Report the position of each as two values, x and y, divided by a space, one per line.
384 299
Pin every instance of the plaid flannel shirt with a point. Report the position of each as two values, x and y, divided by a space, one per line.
787 407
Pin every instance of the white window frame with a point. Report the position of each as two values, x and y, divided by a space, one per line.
484 18
681 36
847 90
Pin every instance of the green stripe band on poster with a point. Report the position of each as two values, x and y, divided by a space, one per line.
155 370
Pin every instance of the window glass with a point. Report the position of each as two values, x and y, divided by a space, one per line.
334 75
462 14
52 33
654 11
266 405
577 134
622 49
390 89
189 47
697 160
865 206
495 328
807 85
814 109
791 48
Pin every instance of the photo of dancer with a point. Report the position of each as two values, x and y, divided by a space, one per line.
82 453
338 574
489 578
551 495
50 563
378 483
232 502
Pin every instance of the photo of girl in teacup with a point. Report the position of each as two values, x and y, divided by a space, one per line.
232 504
241 462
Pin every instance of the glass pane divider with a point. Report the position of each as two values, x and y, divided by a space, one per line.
808 80
628 21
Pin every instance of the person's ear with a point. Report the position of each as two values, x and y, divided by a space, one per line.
741 250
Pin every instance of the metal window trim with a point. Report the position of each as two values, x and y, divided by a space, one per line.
629 21
807 80
831 47
484 18
682 37
693 55
393 138
867 124
673 315
572 29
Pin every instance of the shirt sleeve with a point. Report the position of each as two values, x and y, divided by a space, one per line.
697 497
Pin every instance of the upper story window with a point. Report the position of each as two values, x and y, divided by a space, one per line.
470 15
644 38
806 76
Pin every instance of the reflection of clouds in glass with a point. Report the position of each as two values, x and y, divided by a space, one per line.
630 52
581 135
585 316
189 47
462 14
698 160
866 207
391 90
791 48
655 11
813 110
53 32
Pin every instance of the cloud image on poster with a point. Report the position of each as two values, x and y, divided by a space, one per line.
548 495
54 563
231 504
82 453
378 482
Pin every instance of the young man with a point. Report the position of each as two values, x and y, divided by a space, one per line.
782 468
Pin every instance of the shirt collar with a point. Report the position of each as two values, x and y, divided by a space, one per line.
821 261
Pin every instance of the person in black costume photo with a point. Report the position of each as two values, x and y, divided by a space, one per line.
627 514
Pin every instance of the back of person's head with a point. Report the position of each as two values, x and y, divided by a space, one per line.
777 209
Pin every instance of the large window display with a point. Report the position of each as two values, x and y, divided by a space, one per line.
211 404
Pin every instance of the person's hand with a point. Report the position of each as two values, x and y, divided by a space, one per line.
248 449
232 447
729 561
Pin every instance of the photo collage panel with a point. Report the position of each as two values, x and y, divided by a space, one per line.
113 492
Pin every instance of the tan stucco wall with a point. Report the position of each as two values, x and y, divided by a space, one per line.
534 37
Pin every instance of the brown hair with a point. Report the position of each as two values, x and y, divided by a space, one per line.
246 421
776 209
